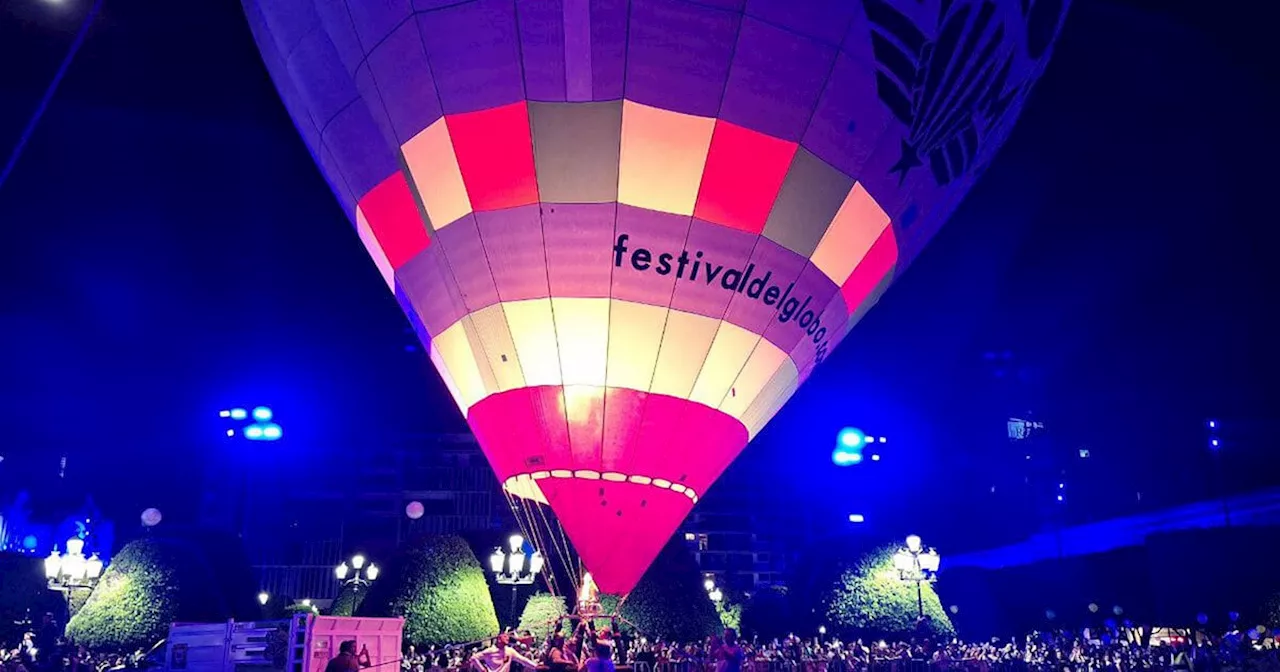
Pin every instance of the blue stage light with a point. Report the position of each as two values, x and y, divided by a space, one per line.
844 457
253 432
857 518
238 414
30 542
262 414
271 432
1213 424
850 437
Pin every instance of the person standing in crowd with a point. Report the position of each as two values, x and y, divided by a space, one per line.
498 657
346 660
602 661
729 656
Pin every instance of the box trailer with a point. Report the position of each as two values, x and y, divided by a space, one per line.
304 643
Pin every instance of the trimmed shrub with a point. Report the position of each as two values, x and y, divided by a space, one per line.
348 601
439 588
151 583
540 614
767 614
870 598
670 600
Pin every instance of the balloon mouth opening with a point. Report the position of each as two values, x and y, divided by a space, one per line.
525 486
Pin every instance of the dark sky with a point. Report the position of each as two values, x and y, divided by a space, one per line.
169 249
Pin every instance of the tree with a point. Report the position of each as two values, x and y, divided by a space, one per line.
670 600
768 614
151 583
437 585
540 614
730 614
348 601
869 597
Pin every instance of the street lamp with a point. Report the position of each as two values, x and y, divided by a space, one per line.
263 598
917 564
71 572
712 591
513 567
360 572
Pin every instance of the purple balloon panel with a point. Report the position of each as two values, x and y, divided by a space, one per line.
653 231
775 80
716 257
406 86
474 54
579 240
608 48
822 20
678 55
374 20
513 245
542 48
460 241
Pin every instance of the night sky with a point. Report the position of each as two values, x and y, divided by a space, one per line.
169 249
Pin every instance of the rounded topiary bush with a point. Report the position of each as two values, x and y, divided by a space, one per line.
870 598
348 601
541 613
767 614
670 600
151 583
439 588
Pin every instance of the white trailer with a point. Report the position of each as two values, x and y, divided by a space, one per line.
304 643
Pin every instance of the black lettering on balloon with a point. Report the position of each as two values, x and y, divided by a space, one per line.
738 280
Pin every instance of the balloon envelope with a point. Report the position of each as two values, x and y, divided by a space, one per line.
626 231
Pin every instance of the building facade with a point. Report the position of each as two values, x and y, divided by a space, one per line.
298 524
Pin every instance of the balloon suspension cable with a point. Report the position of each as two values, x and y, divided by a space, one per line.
563 547
525 521
49 92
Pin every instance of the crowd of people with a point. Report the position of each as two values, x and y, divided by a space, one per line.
1112 649
43 648
586 649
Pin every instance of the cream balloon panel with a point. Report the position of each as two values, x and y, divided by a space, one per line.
611 343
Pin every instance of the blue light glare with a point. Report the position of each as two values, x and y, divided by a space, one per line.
857 518
262 414
253 432
1214 443
1059 498
271 432
238 414
875 457
224 414
1213 424
850 437
30 542
231 432
843 457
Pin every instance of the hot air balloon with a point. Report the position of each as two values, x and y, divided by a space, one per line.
627 230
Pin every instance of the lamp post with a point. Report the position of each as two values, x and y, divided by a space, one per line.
360 572
917 564
712 591
513 567
71 572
